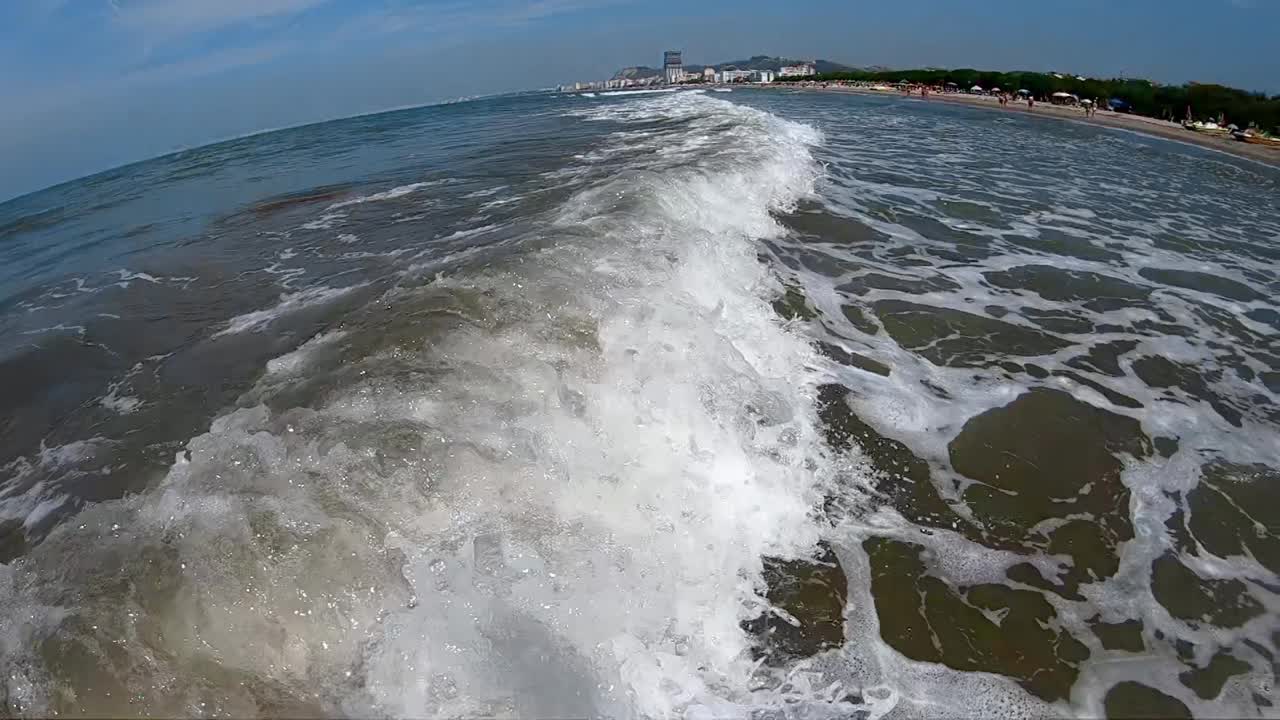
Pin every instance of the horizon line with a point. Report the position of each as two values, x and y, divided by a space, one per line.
459 100
489 96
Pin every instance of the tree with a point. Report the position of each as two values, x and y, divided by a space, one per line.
1207 101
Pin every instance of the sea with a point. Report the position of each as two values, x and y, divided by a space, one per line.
764 404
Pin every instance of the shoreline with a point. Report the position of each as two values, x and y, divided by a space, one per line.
1120 121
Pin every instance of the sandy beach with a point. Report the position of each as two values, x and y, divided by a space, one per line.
1123 121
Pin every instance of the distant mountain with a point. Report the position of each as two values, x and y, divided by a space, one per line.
638 72
765 62
826 66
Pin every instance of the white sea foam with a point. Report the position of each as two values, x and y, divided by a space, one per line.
432 252
116 400
487 192
296 361
59 328
127 276
499 202
901 190
289 302
325 221
560 508
624 93
395 192
547 489
31 491
122 404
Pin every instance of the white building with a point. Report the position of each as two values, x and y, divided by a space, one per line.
805 70
673 66
764 76
736 75
709 74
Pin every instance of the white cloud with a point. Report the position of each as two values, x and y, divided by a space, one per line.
172 18
206 64
60 97
457 15
538 9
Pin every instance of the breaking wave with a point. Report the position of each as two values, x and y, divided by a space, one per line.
545 488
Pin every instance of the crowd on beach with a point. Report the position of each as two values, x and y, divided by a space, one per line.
1006 99
1061 105
1089 107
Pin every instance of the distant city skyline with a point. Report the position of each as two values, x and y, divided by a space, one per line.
92 84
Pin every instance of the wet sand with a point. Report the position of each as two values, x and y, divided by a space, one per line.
1123 121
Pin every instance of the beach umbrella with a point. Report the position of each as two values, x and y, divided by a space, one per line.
976 88
995 89
1024 92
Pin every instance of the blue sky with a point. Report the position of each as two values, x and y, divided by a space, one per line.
90 84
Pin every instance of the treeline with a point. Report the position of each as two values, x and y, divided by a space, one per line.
1169 102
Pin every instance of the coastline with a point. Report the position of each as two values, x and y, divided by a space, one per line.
1105 118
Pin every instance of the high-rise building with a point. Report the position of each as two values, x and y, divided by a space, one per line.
672 66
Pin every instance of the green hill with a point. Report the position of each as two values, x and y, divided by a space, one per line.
638 72
766 62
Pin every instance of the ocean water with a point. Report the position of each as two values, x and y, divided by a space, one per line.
770 405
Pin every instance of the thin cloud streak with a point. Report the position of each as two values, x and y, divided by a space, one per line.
61 97
178 18
446 16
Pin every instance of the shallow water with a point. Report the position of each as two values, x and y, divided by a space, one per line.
790 406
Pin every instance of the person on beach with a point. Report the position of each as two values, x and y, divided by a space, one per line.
1031 103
